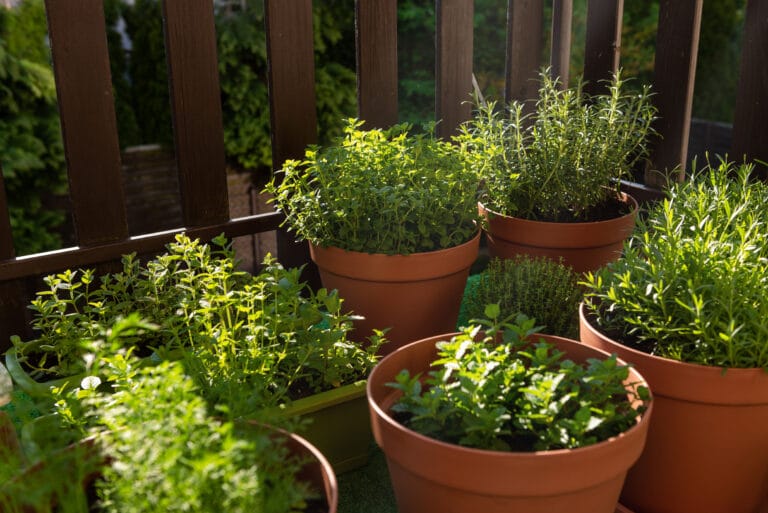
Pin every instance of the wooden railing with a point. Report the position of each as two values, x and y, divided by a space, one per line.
81 66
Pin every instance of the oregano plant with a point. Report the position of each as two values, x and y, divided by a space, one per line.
495 386
380 191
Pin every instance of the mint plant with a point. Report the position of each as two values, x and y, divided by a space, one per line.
539 288
519 394
380 191
691 284
562 164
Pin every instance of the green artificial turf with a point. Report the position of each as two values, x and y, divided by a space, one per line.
367 489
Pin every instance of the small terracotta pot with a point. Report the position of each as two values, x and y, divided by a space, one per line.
707 449
316 471
415 295
582 246
432 476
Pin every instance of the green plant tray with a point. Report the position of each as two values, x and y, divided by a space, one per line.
28 384
340 425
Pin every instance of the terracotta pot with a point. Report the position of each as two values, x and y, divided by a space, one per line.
415 295
583 246
432 476
707 449
317 471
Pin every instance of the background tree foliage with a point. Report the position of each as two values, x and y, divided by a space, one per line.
31 150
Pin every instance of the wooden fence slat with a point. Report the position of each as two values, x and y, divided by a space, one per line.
376 38
560 60
14 314
46 263
291 76
6 236
750 127
81 64
677 44
196 104
603 43
453 61
525 33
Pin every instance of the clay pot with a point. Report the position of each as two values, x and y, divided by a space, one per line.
415 295
317 471
582 246
432 476
707 448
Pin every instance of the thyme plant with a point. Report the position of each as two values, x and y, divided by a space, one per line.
692 283
517 395
564 162
539 288
380 191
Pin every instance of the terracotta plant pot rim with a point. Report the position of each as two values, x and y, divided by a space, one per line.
536 233
406 268
681 380
537 461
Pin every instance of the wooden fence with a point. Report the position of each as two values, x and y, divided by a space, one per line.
81 66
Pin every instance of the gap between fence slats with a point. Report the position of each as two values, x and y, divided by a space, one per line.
376 40
750 127
291 76
196 106
603 43
81 65
677 44
560 60
525 35
453 60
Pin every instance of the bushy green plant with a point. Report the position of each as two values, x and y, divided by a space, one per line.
267 336
539 288
691 285
563 164
517 395
167 454
379 191
31 148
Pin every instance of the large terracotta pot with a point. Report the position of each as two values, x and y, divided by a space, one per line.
707 449
415 295
582 246
432 476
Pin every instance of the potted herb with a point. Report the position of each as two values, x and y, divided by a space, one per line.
263 340
550 182
391 221
538 287
686 305
531 423
148 442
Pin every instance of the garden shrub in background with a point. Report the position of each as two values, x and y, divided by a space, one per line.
31 148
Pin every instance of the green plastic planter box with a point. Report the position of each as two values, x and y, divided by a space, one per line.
340 426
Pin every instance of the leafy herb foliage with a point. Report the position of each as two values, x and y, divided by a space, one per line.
380 191
165 452
563 162
692 283
539 288
268 335
517 395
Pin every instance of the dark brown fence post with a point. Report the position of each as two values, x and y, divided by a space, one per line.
525 33
6 236
453 59
601 54
196 100
291 58
376 39
677 44
560 60
750 127
81 64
